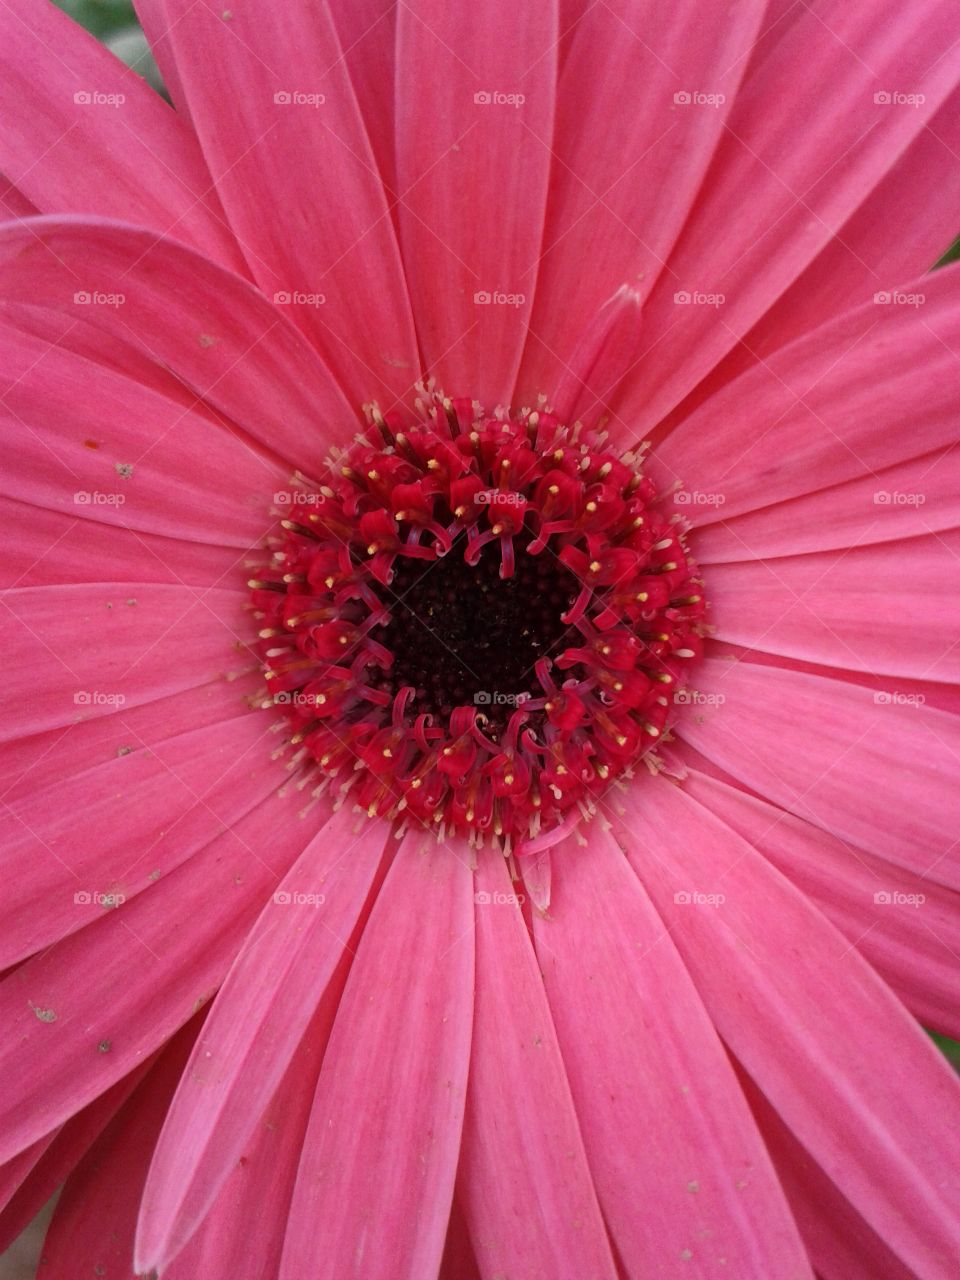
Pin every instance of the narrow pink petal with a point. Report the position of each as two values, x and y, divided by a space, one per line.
59 1153
258 1019
86 1011
67 859
91 1232
13 203
380 1155
217 334
46 546
663 1119
841 1245
524 1183
834 404
31 765
626 77
367 30
806 171
122 454
602 353
84 133
282 133
846 608
827 749
91 649
244 1230
907 927
906 500
475 110
804 1014
899 231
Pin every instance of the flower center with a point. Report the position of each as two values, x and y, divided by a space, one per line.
477 621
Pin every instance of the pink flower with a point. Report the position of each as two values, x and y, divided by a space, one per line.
328 326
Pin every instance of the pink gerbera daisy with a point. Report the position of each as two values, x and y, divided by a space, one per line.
480 729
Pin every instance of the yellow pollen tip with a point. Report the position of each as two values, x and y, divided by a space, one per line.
595 566
328 582
591 506
388 754
497 529
621 740
433 464
372 549
652 729
554 488
509 779
373 475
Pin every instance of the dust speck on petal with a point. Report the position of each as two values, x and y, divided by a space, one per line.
104 1046
207 340
45 1015
124 469
693 1187
124 751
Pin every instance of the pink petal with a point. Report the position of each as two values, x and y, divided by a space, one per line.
55 1156
806 171
91 649
31 765
846 608
662 1116
825 750
805 1014
245 1228
367 31
68 858
217 334
86 1011
521 1141
907 927
258 1019
78 428
620 206
906 500
282 133
82 132
840 1243
829 407
42 548
380 1154
473 172
899 231
91 1232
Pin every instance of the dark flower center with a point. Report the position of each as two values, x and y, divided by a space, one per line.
462 635
477 621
